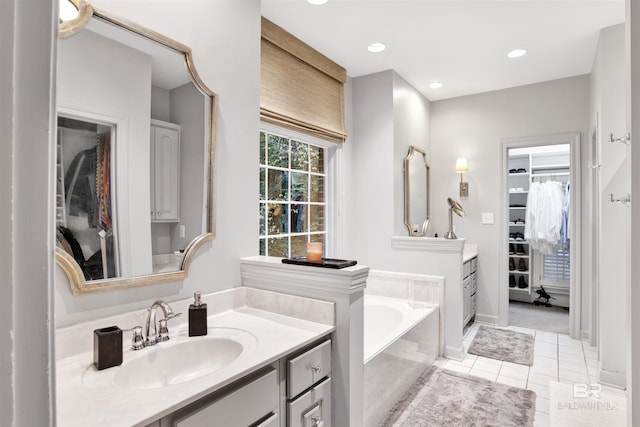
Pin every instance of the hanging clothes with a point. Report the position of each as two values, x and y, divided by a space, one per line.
80 186
544 216
566 210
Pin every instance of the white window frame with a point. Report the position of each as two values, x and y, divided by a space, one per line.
333 167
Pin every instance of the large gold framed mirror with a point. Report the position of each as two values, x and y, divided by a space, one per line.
134 154
416 192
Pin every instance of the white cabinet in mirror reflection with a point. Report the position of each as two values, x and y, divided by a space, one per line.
165 171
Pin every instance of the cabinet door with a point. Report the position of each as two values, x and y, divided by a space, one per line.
165 155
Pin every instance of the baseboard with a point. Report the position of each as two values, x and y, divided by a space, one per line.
488 319
454 353
612 379
585 336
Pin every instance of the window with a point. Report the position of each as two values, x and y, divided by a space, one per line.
556 268
292 195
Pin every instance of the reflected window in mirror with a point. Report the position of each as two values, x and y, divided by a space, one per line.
293 198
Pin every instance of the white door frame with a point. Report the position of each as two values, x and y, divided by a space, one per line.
575 307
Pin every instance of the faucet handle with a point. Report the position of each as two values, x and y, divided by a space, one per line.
137 339
163 330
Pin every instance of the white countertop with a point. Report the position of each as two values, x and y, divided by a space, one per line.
86 396
470 251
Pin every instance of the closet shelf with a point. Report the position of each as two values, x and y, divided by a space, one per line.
547 167
520 289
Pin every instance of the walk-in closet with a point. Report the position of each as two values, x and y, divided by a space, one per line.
539 206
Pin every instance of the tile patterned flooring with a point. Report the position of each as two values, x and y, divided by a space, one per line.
557 357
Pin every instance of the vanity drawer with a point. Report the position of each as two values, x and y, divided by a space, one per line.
308 368
312 407
246 405
474 265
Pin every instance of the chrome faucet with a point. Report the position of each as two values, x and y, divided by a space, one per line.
151 328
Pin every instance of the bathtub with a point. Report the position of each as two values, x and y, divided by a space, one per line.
401 340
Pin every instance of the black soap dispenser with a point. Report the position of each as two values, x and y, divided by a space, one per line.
197 317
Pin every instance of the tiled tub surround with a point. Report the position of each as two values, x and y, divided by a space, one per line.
401 336
279 323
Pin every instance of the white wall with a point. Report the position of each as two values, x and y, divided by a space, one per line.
27 31
473 127
608 101
225 40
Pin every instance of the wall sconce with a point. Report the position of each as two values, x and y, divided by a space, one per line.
461 168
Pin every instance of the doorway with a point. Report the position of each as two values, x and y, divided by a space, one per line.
541 223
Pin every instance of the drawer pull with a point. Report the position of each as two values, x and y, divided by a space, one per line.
316 368
317 421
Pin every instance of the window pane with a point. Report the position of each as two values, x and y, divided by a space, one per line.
299 186
263 148
316 193
278 247
263 227
278 185
262 247
299 218
278 223
262 183
299 155
316 158
316 215
298 246
278 151
317 238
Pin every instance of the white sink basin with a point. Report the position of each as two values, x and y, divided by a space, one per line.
183 359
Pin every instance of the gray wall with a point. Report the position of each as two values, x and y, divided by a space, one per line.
608 93
632 39
473 127
27 31
389 115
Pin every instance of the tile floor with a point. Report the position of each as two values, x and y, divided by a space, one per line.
557 357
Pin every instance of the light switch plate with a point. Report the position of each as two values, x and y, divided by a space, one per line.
487 217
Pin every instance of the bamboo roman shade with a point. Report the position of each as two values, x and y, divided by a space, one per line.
301 89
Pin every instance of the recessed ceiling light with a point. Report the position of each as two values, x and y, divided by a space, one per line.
436 85
317 2
376 47
517 53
